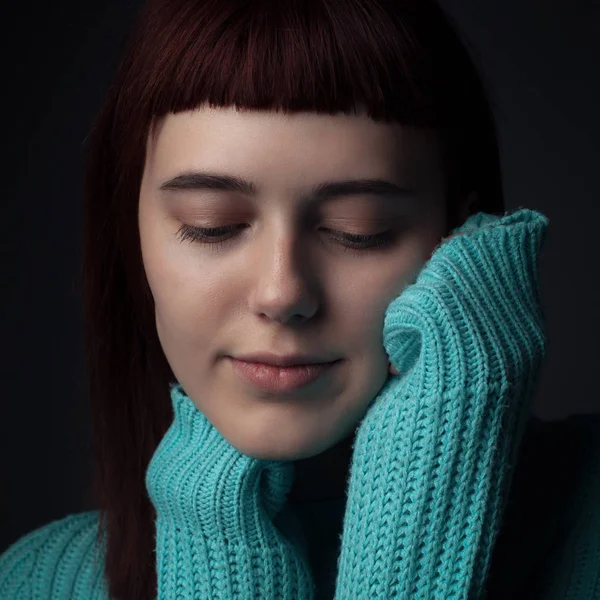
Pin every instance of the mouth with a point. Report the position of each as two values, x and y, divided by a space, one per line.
291 360
281 379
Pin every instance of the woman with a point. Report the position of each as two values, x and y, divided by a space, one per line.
282 178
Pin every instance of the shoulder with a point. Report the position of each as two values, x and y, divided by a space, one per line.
573 445
551 524
557 475
58 560
563 456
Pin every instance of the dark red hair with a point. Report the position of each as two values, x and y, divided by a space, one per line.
401 60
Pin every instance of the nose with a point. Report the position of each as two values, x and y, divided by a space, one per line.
284 283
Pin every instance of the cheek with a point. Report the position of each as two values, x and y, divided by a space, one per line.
359 309
368 290
153 244
172 274
364 294
180 301
182 314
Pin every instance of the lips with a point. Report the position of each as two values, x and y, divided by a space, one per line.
277 379
289 360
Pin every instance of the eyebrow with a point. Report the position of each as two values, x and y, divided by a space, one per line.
201 180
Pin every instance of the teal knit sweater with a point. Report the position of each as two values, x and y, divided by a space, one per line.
432 464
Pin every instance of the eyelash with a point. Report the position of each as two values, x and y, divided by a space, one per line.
352 242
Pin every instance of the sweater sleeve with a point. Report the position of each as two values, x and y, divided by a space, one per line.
215 506
57 561
433 457
549 545
571 566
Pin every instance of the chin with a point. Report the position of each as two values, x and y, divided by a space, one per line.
280 449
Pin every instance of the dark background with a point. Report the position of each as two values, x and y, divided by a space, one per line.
541 59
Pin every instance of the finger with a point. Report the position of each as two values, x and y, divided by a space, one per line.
453 235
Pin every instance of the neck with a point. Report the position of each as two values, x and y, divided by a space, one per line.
324 476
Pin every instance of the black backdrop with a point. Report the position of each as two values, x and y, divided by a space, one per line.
541 59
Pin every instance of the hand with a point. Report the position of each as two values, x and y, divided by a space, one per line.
391 368
453 282
432 456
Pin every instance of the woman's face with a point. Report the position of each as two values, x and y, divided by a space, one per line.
282 280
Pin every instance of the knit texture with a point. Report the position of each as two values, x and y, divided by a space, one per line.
429 473
215 509
431 467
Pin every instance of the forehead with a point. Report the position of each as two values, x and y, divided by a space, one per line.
300 143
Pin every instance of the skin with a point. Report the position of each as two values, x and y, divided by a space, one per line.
283 283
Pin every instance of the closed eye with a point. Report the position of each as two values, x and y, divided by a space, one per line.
220 235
